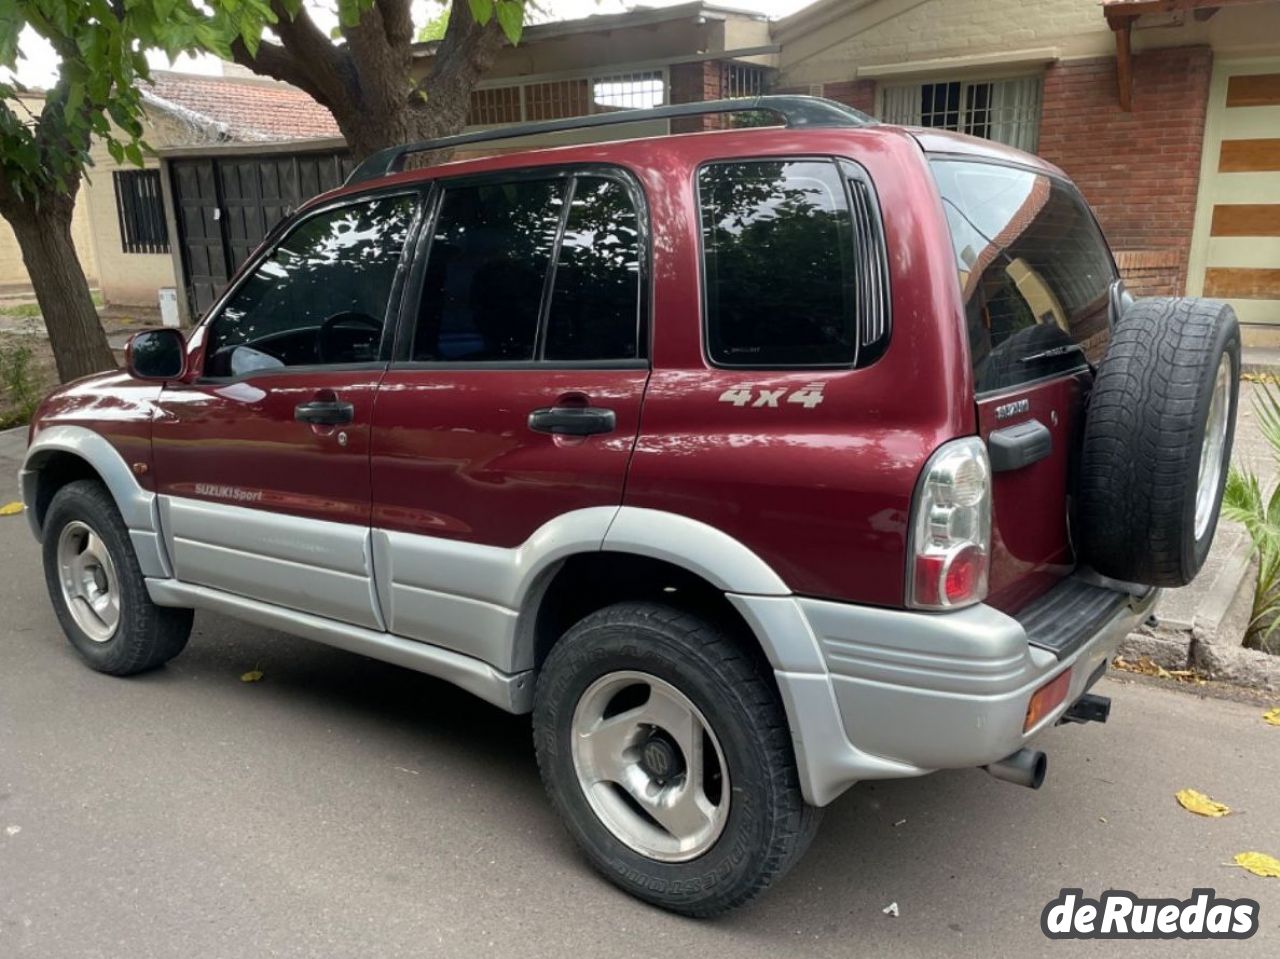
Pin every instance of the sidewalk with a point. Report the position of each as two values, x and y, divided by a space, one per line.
1202 625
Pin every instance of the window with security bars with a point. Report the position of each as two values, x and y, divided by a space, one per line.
742 80
1007 111
494 105
140 209
627 91
573 97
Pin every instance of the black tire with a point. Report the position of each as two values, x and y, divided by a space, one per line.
1143 439
768 824
146 635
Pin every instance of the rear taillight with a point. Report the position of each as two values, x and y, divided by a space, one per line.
950 545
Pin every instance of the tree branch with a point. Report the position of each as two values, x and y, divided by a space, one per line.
463 55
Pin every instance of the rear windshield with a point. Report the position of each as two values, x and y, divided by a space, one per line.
1035 271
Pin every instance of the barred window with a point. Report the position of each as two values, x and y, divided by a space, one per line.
140 210
627 91
742 80
1007 111
569 97
493 106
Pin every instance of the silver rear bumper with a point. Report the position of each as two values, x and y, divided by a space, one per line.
906 693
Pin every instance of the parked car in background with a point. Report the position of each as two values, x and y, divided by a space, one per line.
754 463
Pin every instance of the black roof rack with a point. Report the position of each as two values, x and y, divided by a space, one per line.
795 111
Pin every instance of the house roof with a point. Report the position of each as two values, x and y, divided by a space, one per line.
240 108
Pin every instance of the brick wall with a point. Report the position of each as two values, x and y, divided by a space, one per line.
690 83
1139 170
859 94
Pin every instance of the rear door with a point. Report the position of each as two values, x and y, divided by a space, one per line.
516 397
1036 277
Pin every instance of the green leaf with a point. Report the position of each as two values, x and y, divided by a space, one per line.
482 10
134 154
116 149
511 18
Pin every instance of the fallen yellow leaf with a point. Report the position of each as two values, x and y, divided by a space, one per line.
252 676
11 509
1200 804
1259 863
1272 717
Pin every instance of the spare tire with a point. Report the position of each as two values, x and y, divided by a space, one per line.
1157 441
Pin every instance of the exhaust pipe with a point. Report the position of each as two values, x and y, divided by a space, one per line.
1026 767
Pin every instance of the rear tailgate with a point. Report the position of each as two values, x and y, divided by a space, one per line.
1036 279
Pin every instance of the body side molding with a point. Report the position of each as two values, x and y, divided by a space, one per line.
514 693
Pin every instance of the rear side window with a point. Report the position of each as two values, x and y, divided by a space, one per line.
779 273
595 301
489 256
515 275
1035 272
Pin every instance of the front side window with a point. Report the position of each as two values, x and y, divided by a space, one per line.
779 274
320 297
1035 272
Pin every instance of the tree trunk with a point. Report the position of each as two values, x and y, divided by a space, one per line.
75 333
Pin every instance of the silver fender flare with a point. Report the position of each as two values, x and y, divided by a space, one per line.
137 506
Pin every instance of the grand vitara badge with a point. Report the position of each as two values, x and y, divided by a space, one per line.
1006 410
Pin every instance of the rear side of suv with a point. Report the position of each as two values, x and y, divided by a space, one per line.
754 463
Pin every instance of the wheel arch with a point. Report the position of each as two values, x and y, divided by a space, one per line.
64 454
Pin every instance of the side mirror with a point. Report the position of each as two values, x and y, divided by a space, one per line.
156 355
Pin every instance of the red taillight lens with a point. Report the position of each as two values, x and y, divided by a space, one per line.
966 575
951 528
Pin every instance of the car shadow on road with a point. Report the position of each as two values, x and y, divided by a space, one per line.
924 843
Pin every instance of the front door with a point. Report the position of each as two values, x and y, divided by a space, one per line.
517 397
262 460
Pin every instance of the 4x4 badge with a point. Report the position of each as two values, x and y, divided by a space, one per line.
807 396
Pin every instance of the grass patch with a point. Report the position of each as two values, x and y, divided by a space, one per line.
27 372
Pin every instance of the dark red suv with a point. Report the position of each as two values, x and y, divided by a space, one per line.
753 463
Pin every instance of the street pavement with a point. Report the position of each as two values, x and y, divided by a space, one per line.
346 808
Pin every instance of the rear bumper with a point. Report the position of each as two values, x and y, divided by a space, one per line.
906 693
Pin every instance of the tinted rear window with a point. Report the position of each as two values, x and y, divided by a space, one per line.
779 268
1034 269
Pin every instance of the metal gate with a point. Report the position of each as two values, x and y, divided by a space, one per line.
225 206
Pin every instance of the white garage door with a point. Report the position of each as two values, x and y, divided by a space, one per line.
1235 253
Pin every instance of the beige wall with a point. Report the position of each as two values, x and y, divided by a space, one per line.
13 272
831 42
126 279
129 279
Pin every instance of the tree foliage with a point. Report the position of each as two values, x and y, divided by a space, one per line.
101 48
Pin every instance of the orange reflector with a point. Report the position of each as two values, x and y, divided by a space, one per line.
1044 699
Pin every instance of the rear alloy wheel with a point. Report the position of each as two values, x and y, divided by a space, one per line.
1157 441
664 747
653 772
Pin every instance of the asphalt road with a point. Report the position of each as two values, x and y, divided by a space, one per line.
344 808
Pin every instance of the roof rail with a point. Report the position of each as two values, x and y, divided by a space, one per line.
795 111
